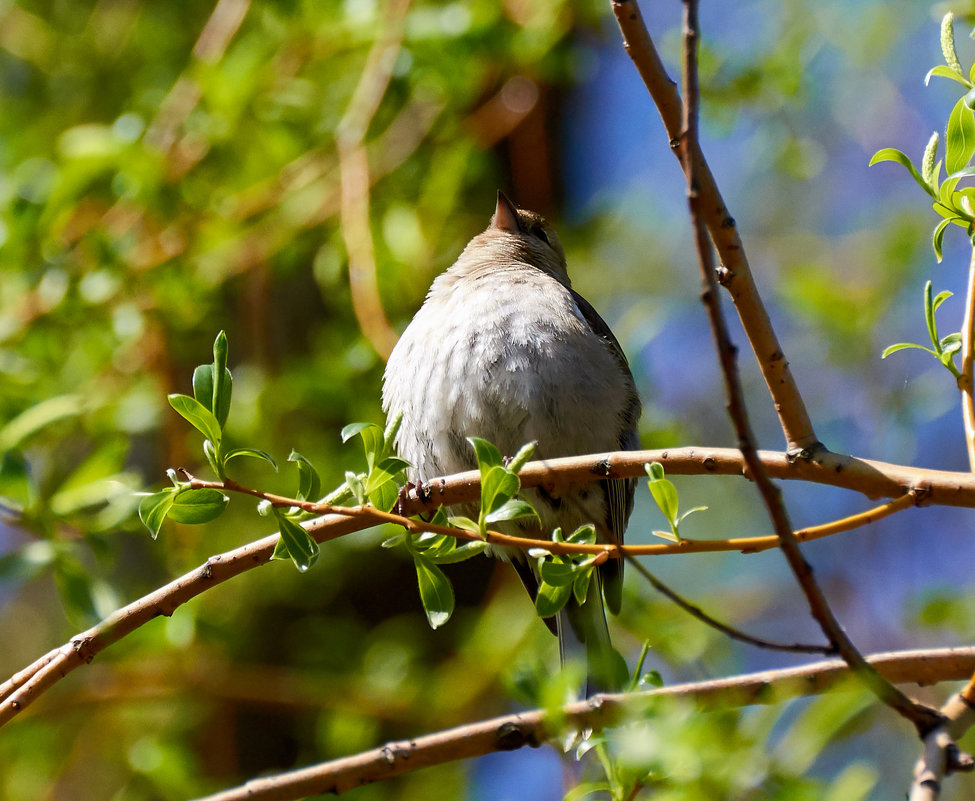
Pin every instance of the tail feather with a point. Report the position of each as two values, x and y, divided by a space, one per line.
584 635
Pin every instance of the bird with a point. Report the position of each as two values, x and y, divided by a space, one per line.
503 348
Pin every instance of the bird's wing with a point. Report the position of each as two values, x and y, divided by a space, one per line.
619 492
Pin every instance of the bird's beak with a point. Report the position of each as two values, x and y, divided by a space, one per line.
505 215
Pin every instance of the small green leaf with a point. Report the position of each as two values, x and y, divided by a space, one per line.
670 536
904 346
937 239
459 553
893 154
652 679
556 572
520 459
584 534
352 429
389 469
197 415
551 598
253 453
309 483
487 455
498 486
654 470
395 541
385 496
196 506
665 494
951 343
302 549
580 587
154 508
940 298
436 592
942 71
212 458
929 314
223 381
514 509
690 512
459 521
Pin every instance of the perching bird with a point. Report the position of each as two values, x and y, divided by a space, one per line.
504 349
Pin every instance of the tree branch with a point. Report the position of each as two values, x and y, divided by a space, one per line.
737 275
868 477
509 732
966 380
924 719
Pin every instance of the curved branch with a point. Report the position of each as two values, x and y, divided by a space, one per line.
510 732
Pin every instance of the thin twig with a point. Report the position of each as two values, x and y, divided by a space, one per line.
533 728
738 280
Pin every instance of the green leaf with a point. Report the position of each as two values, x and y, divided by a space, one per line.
584 534
372 440
223 381
580 587
389 469
309 482
196 506
465 523
960 139
487 455
552 598
943 71
395 541
893 154
520 459
556 572
937 239
929 315
654 470
498 486
904 346
154 508
459 553
201 418
37 417
436 592
302 549
951 343
514 509
690 512
385 496
665 494
253 453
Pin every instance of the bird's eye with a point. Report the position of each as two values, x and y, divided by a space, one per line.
540 233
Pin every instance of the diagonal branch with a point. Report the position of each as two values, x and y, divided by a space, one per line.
532 728
737 275
923 718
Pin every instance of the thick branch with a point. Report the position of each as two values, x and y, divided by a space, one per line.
870 478
510 732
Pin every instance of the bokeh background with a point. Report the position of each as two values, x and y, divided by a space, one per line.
168 170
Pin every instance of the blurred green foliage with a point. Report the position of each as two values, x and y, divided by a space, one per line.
169 170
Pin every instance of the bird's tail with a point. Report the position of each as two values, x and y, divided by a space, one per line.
584 639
